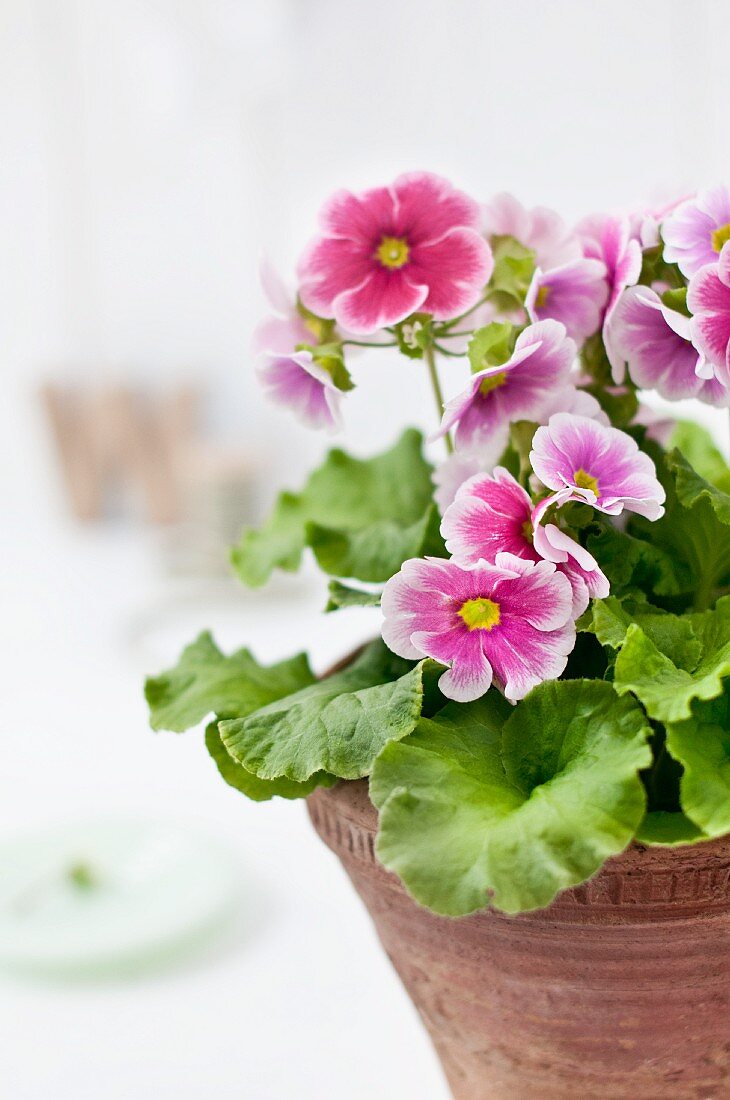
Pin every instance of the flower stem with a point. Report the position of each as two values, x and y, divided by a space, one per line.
430 357
455 320
367 344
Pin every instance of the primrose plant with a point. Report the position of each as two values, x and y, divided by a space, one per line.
553 676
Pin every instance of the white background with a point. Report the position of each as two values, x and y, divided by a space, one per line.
149 151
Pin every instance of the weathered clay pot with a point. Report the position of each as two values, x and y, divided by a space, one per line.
621 988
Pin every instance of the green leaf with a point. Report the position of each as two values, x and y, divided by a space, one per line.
694 532
377 551
676 299
491 346
702 745
471 809
667 691
668 829
692 489
204 681
655 269
633 564
514 266
595 361
337 725
609 619
259 790
698 447
363 518
620 406
341 596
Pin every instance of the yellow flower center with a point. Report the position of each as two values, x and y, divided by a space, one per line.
543 293
393 252
492 382
720 236
585 481
527 531
480 614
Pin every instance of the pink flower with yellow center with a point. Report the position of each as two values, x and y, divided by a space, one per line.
509 622
542 230
656 343
708 297
694 233
516 390
494 514
581 459
391 251
573 294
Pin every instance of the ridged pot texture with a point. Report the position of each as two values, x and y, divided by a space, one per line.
619 989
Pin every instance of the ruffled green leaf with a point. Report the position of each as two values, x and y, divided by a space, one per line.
378 550
514 266
667 691
635 565
673 635
343 595
698 447
491 346
702 745
694 532
473 808
258 790
337 725
204 681
362 518
683 558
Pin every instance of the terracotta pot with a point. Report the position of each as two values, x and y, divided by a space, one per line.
621 988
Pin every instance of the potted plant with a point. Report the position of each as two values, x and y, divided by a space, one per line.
528 775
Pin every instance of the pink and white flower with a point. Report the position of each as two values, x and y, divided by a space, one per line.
659 427
656 343
515 390
586 578
581 459
286 329
645 224
391 251
574 294
696 231
296 381
708 297
609 239
540 229
495 514
451 474
572 399
509 622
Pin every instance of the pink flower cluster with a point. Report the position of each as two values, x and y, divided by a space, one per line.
503 609
420 247
681 353
420 265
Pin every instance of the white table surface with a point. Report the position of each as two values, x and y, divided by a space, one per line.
299 1001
